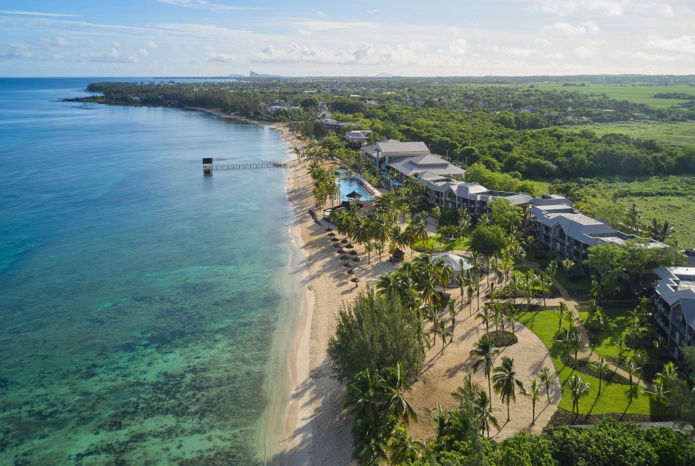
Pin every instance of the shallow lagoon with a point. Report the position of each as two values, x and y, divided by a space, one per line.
139 298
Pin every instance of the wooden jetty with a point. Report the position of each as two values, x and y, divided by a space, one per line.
209 166
247 165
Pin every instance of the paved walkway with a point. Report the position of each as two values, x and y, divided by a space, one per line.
585 352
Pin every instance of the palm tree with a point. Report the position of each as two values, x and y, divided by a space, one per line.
634 218
469 294
505 382
452 315
561 310
658 393
482 412
579 389
600 366
460 280
442 331
465 394
392 388
420 229
485 315
632 368
534 392
547 378
362 402
484 352
402 447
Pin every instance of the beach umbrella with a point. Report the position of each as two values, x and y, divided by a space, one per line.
336 245
344 257
331 234
349 246
355 279
354 253
344 241
356 259
329 229
354 195
347 264
341 251
351 271
334 239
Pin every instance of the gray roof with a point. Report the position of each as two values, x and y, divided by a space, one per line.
427 163
402 149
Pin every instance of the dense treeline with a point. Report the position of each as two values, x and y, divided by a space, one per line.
511 130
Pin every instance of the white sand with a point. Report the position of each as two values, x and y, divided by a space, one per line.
315 429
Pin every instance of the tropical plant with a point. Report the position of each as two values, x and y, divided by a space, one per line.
506 383
600 366
547 378
658 393
579 389
484 353
534 392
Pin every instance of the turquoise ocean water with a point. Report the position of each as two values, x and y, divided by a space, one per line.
139 299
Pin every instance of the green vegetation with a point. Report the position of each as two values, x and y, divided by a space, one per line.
666 199
613 398
675 133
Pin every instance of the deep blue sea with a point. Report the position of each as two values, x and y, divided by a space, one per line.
139 299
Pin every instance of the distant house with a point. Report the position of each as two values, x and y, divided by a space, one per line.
568 232
335 125
675 307
358 136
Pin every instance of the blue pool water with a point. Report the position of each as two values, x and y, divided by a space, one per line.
347 186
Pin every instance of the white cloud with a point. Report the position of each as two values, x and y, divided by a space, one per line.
113 56
683 44
143 52
152 44
36 13
222 58
583 52
204 5
543 42
569 29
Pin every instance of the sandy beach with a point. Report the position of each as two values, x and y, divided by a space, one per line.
315 430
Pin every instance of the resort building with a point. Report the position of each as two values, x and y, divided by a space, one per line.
475 198
417 167
675 307
385 152
568 232
359 137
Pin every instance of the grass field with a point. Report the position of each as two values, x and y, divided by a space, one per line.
668 198
675 134
616 321
614 397
637 93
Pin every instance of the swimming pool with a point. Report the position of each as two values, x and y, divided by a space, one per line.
347 186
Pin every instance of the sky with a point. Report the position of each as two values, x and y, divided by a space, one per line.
199 38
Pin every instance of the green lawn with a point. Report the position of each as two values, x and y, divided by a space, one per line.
613 398
676 133
616 321
437 244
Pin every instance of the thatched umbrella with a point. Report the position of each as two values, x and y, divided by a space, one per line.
336 245
355 279
353 252
356 259
341 251
344 257
344 241
349 246
334 239
347 264
351 271
331 234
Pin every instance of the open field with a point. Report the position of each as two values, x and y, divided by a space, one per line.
613 398
666 198
637 93
676 133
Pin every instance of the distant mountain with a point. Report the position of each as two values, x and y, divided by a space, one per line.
385 75
253 74
234 75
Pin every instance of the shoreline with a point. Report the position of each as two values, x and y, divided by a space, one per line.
314 428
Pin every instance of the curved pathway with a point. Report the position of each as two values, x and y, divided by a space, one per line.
585 352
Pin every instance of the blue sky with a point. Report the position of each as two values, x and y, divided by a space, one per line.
345 38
